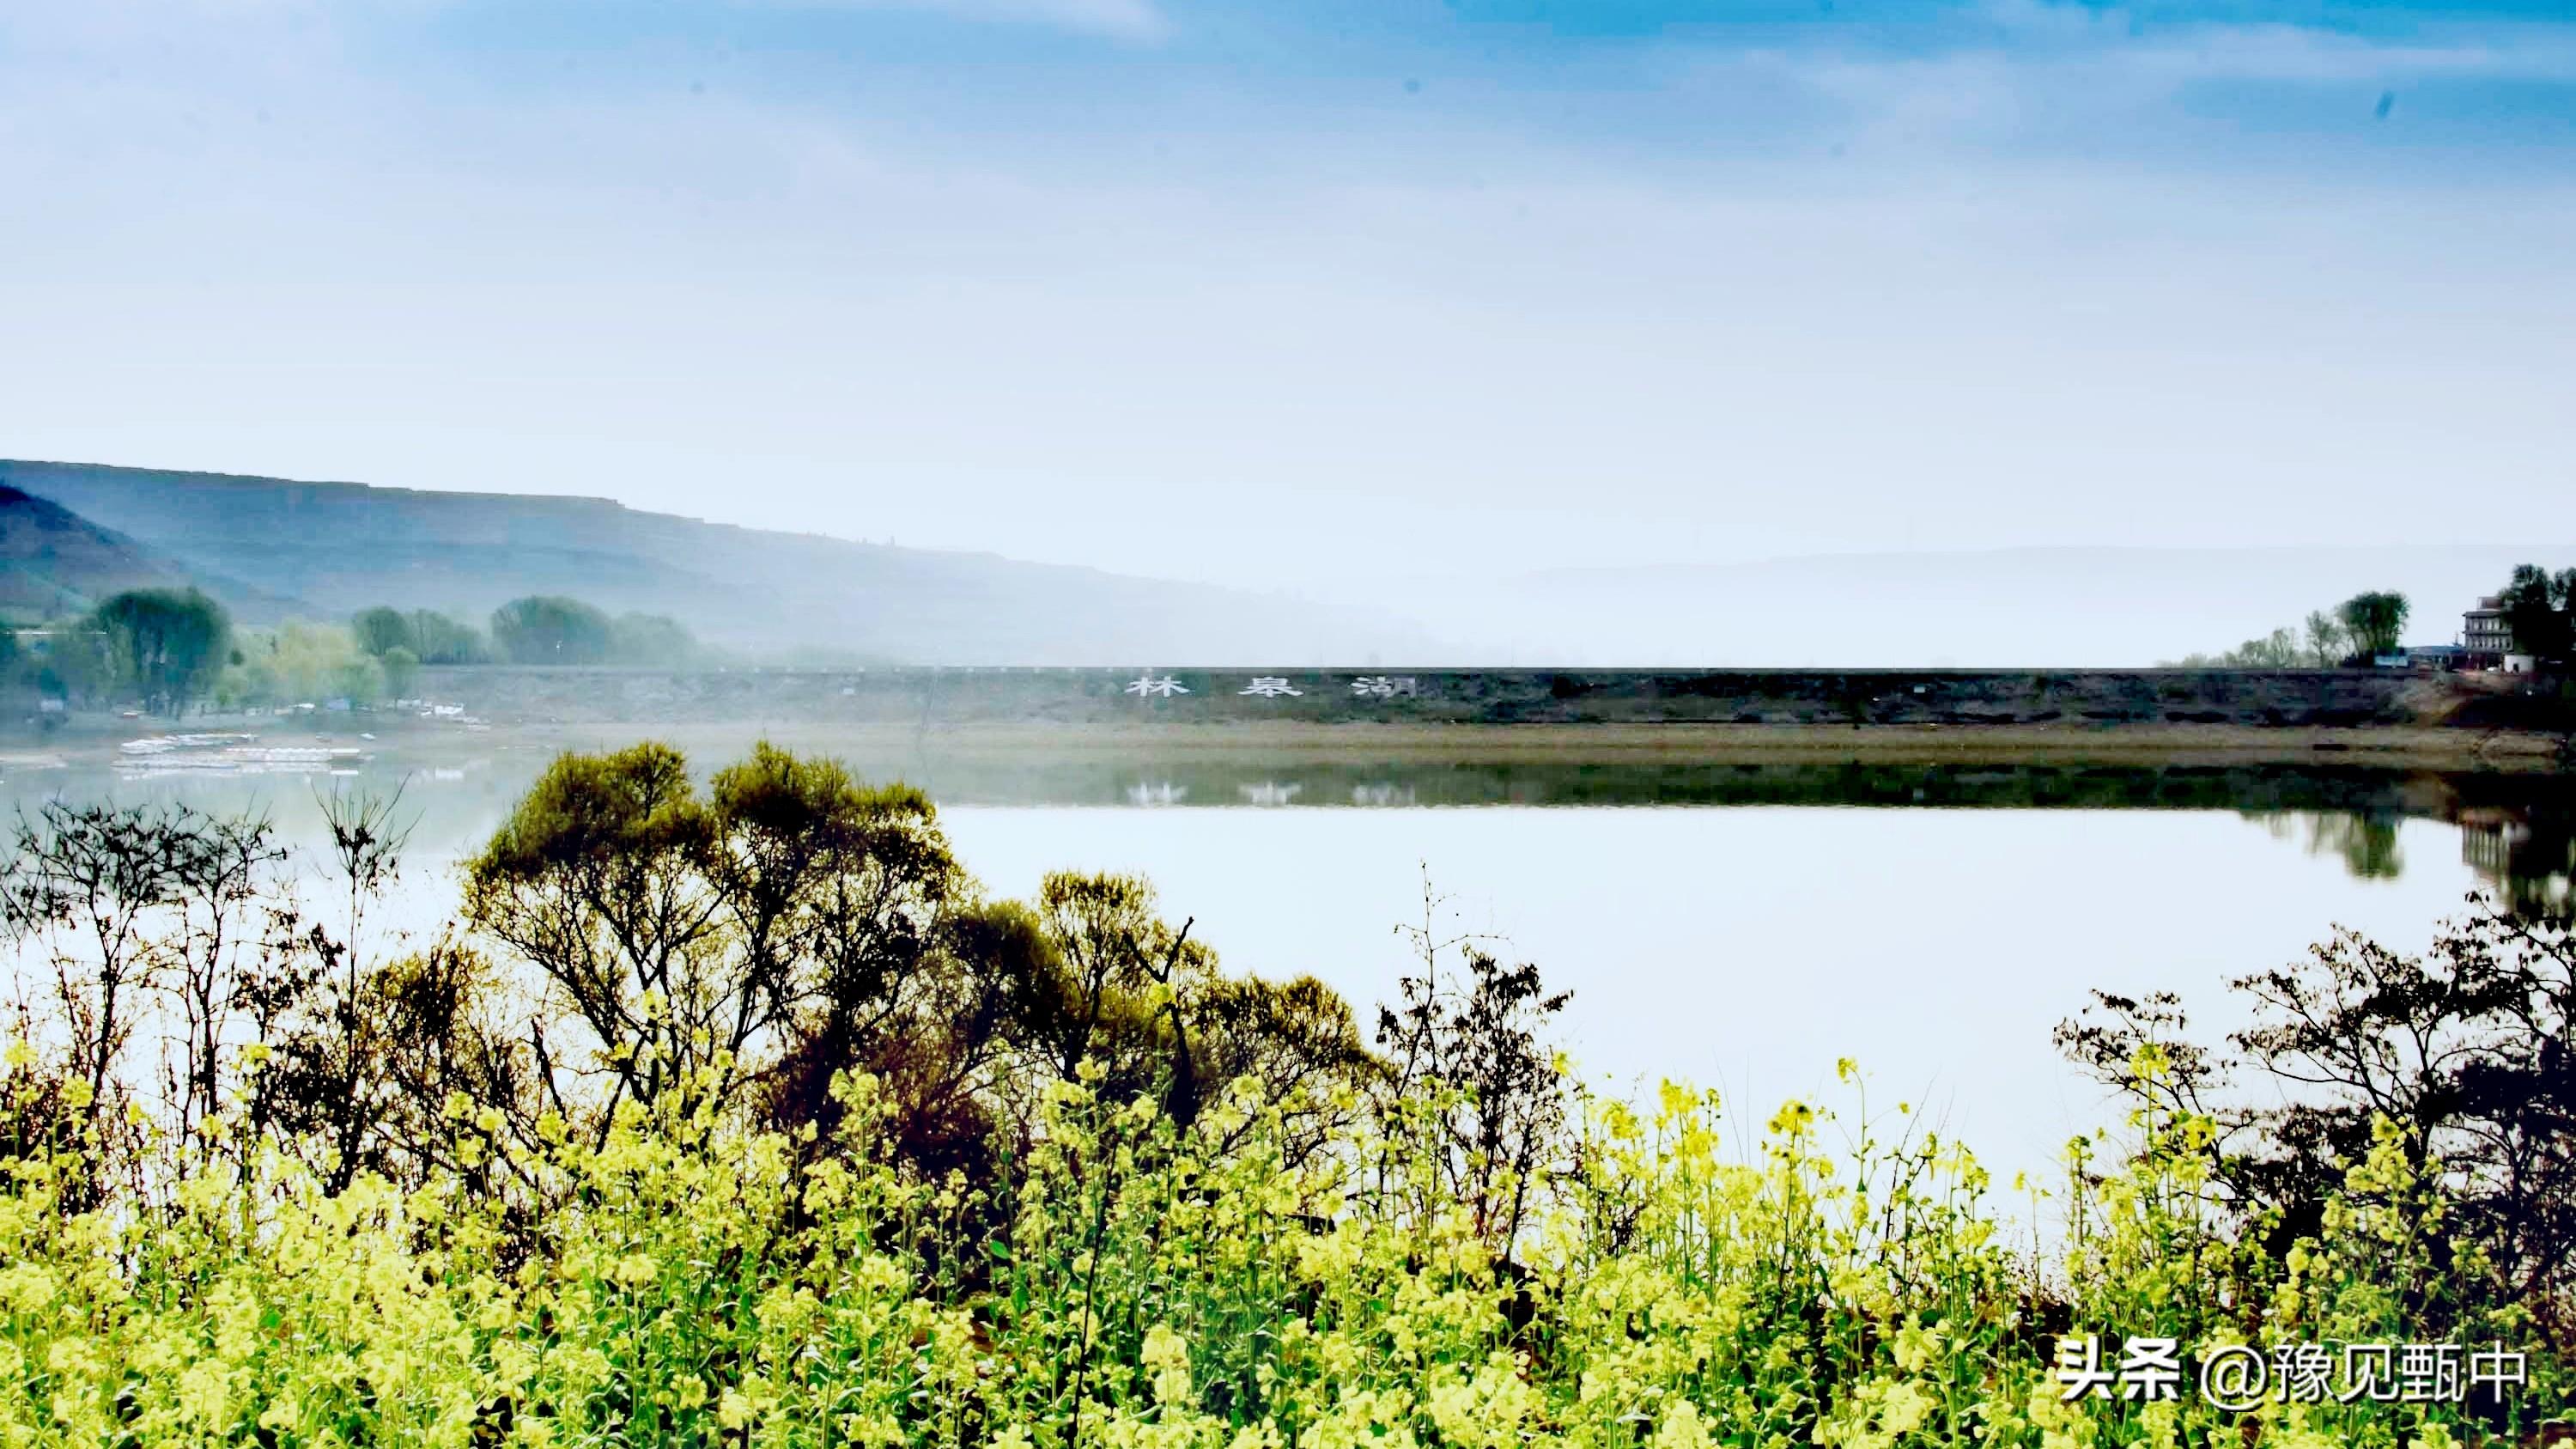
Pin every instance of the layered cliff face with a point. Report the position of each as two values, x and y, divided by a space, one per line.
333 548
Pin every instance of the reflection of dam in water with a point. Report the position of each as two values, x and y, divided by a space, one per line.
1700 908
2517 830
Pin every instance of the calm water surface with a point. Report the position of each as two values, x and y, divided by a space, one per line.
1740 926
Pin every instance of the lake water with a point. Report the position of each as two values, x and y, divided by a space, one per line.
1740 925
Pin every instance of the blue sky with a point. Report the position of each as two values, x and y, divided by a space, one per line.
1309 295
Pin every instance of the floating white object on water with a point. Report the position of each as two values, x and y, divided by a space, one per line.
163 744
211 754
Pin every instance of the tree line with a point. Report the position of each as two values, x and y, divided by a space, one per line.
2354 632
171 650
537 629
628 938
2540 608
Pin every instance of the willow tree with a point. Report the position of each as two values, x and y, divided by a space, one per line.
549 629
167 644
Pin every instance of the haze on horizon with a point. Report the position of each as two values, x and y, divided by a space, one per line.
1327 300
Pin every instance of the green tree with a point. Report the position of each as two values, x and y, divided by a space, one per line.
551 629
438 639
788 907
2276 650
1113 970
596 880
401 671
2374 622
2541 609
72 662
2328 641
358 679
2459 1054
651 639
167 644
301 663
380 629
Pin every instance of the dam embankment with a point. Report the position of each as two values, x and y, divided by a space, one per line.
1962 699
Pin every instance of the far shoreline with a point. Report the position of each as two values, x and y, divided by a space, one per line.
2423 747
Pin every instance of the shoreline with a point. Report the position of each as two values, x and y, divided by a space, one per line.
2425 747
2411 747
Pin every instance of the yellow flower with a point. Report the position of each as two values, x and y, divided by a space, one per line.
1681 1428
1167 1358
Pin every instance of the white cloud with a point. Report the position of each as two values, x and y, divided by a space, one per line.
1123 19
2028 68
2080 35
108 25
1324 363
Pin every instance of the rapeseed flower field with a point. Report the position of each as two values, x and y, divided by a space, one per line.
737 1117
687 1280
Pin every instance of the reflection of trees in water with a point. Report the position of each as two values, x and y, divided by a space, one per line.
2518 830
2526 852
2367 842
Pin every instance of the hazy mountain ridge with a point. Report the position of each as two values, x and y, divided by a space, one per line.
333 548
54 561
270 547
2063 607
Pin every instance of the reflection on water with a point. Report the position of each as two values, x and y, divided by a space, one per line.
218 755
2367 843
1932 920
2530 854
2525 851
2518 832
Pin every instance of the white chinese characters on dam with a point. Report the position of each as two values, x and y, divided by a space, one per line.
1151 685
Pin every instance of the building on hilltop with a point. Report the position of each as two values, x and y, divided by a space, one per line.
2487 642
2485 629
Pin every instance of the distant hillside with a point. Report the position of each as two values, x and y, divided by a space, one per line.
53 561
334 548
269 547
